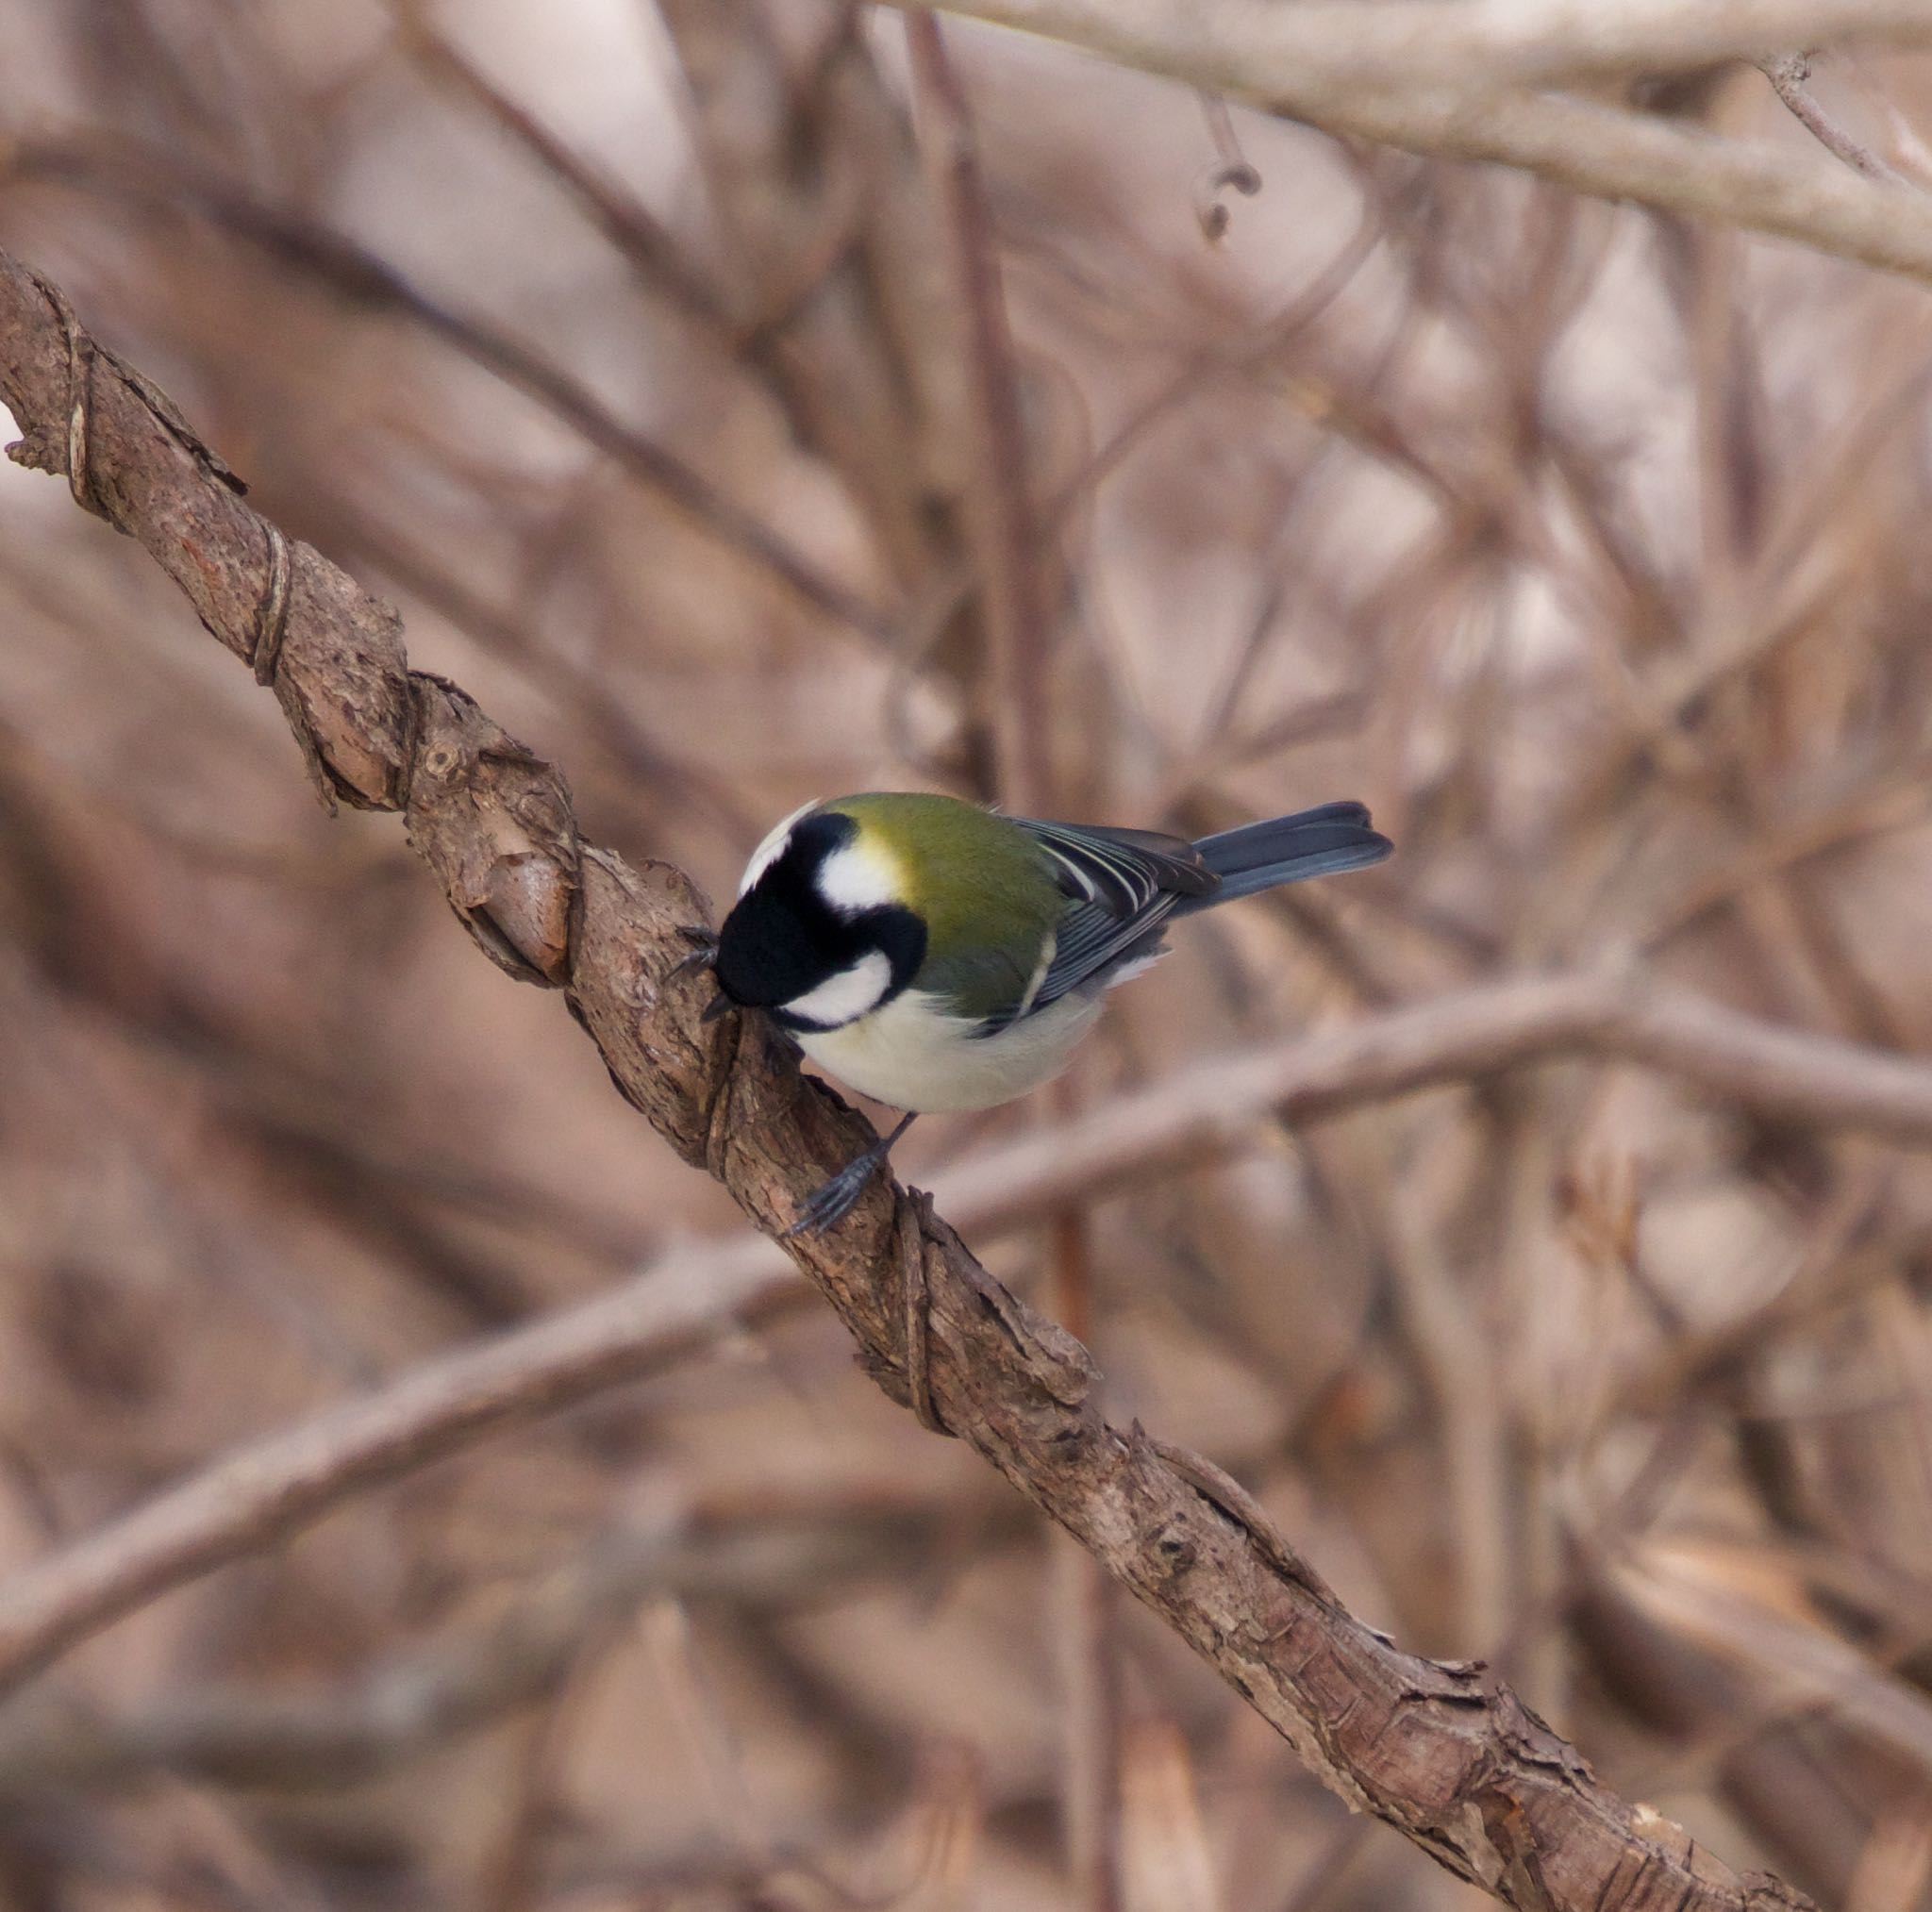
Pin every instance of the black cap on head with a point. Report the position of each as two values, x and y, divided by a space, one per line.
782 940
767 952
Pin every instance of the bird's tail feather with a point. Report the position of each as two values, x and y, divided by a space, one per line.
1285 849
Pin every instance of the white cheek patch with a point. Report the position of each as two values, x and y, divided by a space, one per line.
857 878
846 996
771 848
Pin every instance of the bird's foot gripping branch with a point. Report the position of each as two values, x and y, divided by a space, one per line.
1443 1754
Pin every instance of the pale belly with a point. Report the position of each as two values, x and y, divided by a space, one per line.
910 1056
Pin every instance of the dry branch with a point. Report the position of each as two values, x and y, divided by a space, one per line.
422 1697
1207 1111
1015 678
151 179
261 1494
1788 74
1443 1753
1571 141
1401 43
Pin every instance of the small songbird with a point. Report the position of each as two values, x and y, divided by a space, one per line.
936 955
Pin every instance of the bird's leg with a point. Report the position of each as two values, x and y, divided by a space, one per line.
828 1203
703 955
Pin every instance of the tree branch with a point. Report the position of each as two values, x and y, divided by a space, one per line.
412 1701
1399 44
1788 74
1209 1111
1252 53
261 1494
1001 519
157 181
1443 1753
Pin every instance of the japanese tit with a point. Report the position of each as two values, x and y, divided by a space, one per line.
936 956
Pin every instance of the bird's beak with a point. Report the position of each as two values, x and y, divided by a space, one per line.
720 1005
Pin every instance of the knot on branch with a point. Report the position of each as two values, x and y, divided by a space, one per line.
494 821
1228 1498
1527 1737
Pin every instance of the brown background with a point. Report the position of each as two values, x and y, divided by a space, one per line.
1584 545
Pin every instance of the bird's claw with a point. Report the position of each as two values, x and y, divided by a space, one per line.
832 1200
703 955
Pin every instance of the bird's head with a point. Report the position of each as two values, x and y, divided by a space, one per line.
823 931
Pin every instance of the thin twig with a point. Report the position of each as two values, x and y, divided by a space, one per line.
1006 536
412 1702
1001 517
262 1494
1788 74
1590 147
153 180
630 225
1206 1112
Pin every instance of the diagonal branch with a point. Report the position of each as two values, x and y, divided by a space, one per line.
1209 1111
156 182
1788 74
1445 1754
1399 44
412 1701
1250 51
263 1493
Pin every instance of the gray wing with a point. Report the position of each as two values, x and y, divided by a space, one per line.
1120 870
1120 885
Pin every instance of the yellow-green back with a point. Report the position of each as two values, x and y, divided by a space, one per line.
982 885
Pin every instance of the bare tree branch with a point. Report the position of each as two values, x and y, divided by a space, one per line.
151 179
1001 517
1399 44
1444 1752
1015 634
261 1494
1247 53
1207 1111
422 1697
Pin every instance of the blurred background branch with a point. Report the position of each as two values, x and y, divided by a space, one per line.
1440 1750
619 349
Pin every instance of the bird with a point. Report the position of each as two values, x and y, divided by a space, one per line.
939 955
